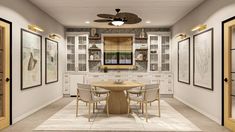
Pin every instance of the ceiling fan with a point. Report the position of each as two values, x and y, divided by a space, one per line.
119 19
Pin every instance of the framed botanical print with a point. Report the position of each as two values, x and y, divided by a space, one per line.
31 59
51 61
184 61
203 59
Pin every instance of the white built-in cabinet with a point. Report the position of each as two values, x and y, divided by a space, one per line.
165 79
159 52
158 48
77 52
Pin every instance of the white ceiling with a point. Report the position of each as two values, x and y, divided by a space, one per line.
74 13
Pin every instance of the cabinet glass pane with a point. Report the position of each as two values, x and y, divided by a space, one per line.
70 49
70 62
70 53
154 40
70 67
154 67
82 40
154 53
165 54
71 40
82 51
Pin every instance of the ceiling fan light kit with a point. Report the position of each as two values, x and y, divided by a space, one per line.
117 22
119 19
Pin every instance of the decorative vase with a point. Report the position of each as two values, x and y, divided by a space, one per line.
93 32
91 57
142 34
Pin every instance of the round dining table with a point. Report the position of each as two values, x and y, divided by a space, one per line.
117 99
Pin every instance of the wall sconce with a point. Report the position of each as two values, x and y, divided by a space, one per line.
199 28
54 36
35 28
181 35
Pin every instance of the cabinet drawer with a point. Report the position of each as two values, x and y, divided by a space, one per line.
158 76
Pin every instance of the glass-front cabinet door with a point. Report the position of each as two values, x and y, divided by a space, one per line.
153 49
70 53
159 53
77 53
82 52
165 53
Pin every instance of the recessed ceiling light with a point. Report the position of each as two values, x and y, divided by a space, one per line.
148 22
87 22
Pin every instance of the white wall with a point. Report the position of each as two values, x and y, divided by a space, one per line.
212 13
21 13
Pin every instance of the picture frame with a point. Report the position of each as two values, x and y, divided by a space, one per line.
51 61
31 59
203 59
184 61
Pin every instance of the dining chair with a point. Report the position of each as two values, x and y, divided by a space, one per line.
150 93
135 91
86 94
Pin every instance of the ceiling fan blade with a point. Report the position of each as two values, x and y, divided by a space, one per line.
102 20
126 15
106 16
133 21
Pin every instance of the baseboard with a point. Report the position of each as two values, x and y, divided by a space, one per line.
199 110
34 110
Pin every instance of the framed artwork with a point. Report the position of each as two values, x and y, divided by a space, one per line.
31 59
51 61
203 59
184 61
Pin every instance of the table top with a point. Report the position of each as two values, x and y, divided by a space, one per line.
111 85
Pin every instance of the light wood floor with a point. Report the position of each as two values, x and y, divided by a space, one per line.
28 124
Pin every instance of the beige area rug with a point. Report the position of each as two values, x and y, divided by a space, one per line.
170 120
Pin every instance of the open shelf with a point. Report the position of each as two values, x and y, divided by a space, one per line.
141 49
94 60
94 38
137 38
94 49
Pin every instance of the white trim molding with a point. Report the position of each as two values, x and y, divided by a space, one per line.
199 110
34 110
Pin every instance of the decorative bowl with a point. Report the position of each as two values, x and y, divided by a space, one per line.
118 81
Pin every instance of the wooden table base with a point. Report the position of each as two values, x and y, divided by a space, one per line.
117 102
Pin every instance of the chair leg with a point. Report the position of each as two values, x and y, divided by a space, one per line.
89 114
93 108
86 103
128 107
77 109
142 107
146 112
107 107
159 113
150 104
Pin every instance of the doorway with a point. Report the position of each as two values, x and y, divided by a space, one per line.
5 73
229 73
